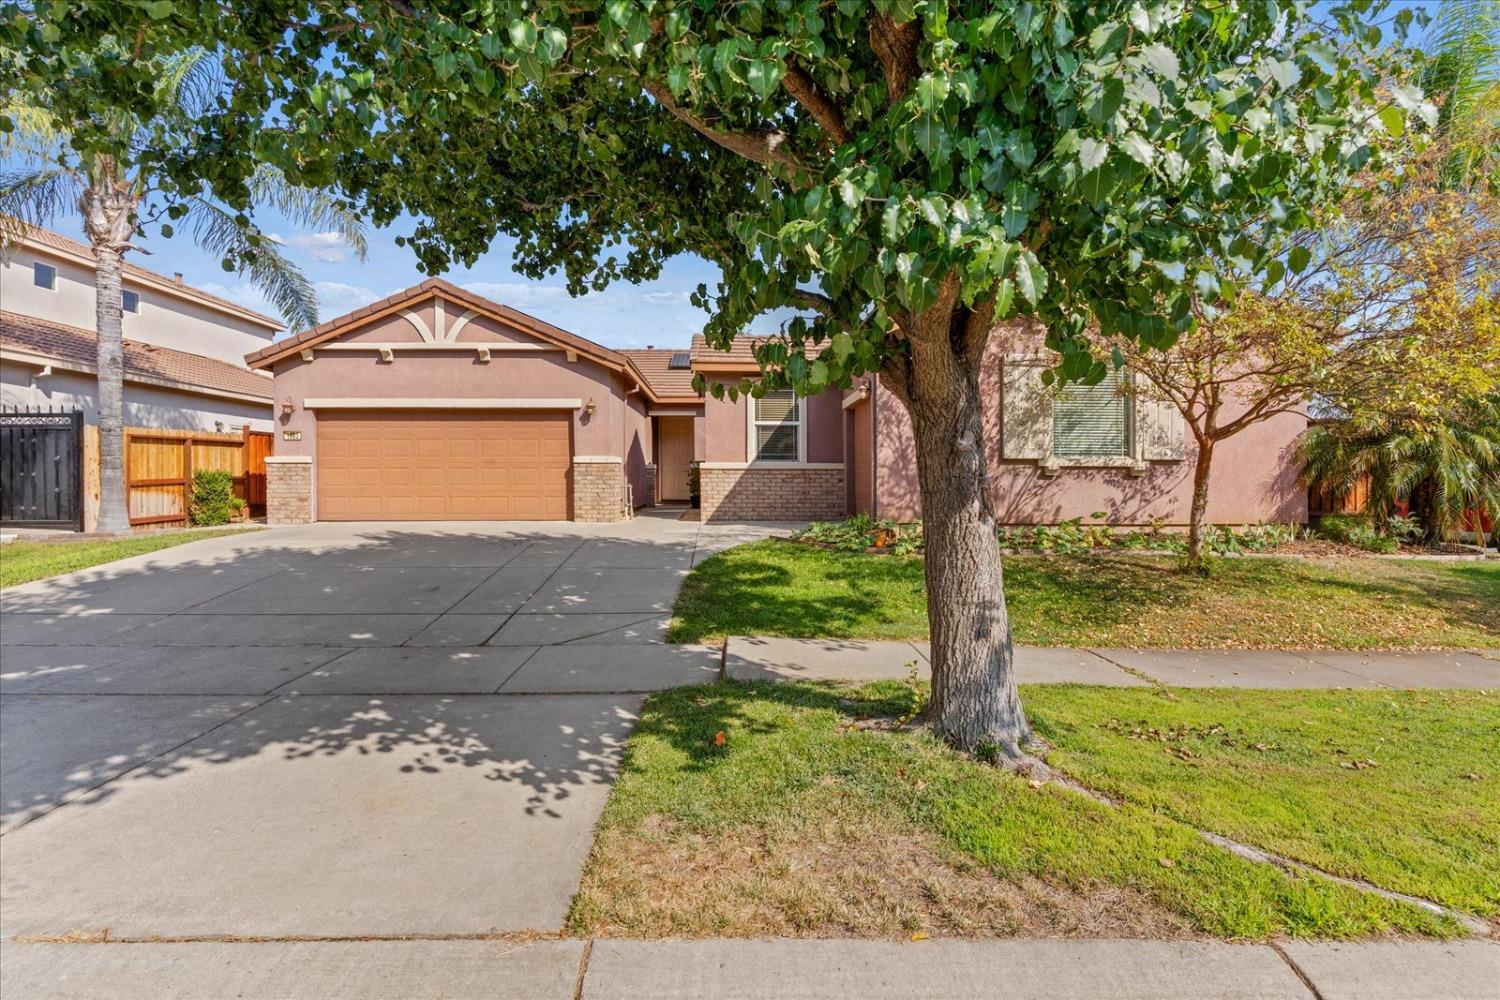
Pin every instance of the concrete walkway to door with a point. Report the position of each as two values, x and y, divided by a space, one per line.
349 730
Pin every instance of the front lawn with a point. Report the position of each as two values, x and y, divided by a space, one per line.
22 562
776 588
802 822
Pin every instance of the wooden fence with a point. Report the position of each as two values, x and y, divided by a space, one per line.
160 464
1351 502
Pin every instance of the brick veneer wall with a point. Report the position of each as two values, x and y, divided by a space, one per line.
288 491
648 484
769 494
598 491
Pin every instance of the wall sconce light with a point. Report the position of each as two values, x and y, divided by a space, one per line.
286 406
589 407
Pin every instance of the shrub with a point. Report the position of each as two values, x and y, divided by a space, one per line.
861 531
1356 530
213 500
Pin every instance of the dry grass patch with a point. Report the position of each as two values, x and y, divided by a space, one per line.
839 876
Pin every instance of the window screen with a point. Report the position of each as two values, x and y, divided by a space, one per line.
1092 421
130 302
777 423
44 275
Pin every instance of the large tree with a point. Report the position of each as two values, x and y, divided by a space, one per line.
42 177
910 172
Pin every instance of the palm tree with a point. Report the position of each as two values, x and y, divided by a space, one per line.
1462 76
109 193
1444 467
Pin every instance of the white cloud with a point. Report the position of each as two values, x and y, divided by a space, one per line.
328 247
676 298
336 298
243 293
516 294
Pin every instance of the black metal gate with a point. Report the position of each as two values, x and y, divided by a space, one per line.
41 468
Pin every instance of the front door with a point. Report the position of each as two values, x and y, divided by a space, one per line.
674 456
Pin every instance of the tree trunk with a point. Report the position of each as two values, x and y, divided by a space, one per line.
975 705
108 208
1199 512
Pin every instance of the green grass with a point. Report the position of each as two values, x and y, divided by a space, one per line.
1399 788
775 588
22 562
793 768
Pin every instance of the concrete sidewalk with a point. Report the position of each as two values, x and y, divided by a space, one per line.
772 659
755 970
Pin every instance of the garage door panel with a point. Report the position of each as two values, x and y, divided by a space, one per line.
440 465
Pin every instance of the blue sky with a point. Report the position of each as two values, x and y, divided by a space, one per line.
655 313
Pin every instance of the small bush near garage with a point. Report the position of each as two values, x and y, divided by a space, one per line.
213 499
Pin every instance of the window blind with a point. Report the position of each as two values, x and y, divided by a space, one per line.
1092 421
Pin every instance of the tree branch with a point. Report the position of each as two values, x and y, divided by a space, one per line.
814 300
767 148
896 48
818 104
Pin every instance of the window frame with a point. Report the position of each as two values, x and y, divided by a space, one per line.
37 267
1129 444
752 455
124 306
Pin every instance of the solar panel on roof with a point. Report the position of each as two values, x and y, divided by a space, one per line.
681 359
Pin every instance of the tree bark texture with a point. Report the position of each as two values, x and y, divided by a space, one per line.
974 699
1199 512
108 219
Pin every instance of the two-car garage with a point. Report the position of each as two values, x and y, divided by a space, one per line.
434 465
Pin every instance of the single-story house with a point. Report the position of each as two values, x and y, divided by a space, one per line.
437 403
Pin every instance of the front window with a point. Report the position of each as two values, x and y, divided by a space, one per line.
1092 421
130 302
776 427
44 276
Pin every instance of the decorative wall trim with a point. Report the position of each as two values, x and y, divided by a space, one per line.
771 465
288 460
436 403
436 345
597 460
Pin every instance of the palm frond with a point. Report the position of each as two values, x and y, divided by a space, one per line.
309 207
35 198
219 232
1463 50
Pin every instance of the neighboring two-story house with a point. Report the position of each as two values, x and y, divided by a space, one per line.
184 349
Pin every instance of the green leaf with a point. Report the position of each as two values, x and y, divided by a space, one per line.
764 76
1031 278
523 33
1298 259
1138 149
1092 153
1394 120
930 91
1161 59
1106 101
1005 295
159 10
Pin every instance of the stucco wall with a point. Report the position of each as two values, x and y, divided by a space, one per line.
638 448
726 428
1254 478
164 319
145 406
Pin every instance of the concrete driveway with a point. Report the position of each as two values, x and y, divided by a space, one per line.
361 730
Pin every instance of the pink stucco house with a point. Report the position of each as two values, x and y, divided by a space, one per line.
437 403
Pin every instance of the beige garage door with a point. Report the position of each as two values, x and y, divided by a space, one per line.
431 466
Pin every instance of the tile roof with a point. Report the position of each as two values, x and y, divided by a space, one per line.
741 351
74 248
76 346
655 365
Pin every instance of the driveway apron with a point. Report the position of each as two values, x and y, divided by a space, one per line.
349 730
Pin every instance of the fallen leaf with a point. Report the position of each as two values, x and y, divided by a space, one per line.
919 936
1166 862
